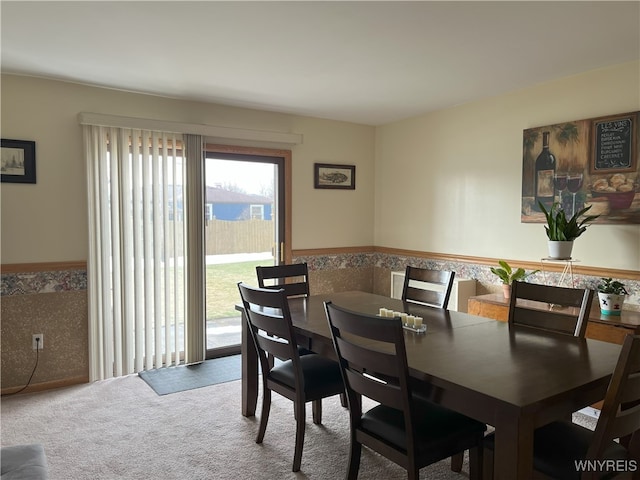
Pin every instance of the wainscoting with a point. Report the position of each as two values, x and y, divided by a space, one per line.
347 269
52 299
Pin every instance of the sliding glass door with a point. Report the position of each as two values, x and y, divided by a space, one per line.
244 227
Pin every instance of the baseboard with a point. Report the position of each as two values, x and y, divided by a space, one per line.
39 387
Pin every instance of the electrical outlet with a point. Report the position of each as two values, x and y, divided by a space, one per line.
37 341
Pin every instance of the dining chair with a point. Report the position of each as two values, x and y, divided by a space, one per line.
559 309
561 447
414 289
300 378
293 278
408 430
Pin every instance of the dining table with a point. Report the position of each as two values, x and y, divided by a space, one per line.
513 378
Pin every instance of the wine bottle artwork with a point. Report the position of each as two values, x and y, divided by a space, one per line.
544 175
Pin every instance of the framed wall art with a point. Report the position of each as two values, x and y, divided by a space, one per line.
327 175
590 162
18 161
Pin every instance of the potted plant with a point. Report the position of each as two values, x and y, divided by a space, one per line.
611 294
508 275
561 231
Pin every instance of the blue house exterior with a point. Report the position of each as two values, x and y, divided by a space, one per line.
223 204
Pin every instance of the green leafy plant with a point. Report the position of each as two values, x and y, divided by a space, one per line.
508 275
614 287
558 228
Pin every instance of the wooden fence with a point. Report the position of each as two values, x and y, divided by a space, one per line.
241 236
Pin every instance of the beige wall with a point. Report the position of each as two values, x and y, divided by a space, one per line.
450 181
446 182
47 222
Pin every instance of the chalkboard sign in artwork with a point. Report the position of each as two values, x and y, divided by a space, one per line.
614 144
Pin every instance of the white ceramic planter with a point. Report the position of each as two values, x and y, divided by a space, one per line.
560 250
610 304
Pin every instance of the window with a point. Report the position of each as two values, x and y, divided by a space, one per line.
257 212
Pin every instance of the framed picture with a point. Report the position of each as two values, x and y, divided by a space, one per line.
18 161
327 175
591 162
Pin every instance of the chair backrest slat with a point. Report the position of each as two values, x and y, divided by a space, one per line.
546 320
380 363
279 348
559 309
384 393
293 278
567 297
272 324
429 287
419 295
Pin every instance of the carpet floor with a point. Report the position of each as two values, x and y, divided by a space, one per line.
187 377
120 429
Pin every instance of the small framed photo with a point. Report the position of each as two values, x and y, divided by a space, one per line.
327 175
18 161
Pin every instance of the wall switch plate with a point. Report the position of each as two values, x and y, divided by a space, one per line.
37 344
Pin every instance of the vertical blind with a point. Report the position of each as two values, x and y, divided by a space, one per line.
138 264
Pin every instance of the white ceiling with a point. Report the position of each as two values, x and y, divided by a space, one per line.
364 62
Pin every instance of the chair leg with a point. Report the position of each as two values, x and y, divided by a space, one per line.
413 473
457 461
264 416
343 400
316 409
354 460
300 424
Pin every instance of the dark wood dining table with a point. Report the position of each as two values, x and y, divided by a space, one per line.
512 378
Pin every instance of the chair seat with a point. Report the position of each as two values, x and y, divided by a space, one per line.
324 372
559 444
438 429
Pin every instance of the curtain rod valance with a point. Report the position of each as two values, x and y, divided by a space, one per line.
227 133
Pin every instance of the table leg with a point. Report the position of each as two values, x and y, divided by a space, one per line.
513 449
249 370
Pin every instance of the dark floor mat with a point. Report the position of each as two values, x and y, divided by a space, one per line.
178 379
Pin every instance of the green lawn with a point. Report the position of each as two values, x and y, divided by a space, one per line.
222 286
